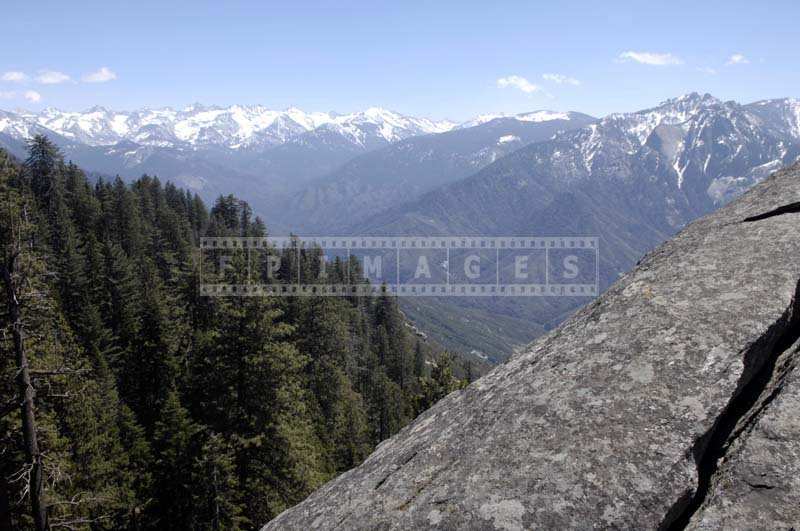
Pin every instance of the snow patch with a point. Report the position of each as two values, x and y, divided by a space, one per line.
542 116
507 138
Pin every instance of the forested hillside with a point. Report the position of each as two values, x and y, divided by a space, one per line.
129 401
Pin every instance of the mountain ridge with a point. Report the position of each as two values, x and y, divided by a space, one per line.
236 126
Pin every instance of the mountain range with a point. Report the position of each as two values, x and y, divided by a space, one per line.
235 127
633 179
250 151
667 165
265 155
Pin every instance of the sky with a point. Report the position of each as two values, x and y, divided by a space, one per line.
443 60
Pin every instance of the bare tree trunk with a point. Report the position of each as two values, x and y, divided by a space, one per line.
215 524
5 503
26 391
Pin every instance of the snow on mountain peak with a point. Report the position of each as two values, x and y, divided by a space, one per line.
674 111
542 116
484 118
535 116
240 126
694 135
690 103
794 106
785 112
256 127
388 125
233 127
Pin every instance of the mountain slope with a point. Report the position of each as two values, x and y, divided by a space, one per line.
641 412
402 171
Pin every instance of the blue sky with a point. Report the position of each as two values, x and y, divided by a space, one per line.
438 59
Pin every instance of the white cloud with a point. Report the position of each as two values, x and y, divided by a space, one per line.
737 59
30 95
650 58
518 82
561 79
33 96
101 76
52 77
14 77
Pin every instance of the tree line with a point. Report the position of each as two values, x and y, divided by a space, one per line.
130 401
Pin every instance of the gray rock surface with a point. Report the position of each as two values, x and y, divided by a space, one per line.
759 486
669 401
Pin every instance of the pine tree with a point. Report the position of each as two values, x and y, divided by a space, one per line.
394 351
41 166
442 381
139 470
121 306
175 447
19 269
419 360
469 372
249 383
216 487
386 406
101 479
150 370
125 219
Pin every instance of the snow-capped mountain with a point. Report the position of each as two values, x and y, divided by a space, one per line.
233 127
260 153
703 150
700 144
12 125
535 116
252 151
238 127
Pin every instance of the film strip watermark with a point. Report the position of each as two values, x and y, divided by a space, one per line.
405 266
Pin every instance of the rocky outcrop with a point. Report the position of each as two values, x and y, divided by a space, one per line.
670 402
758 485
